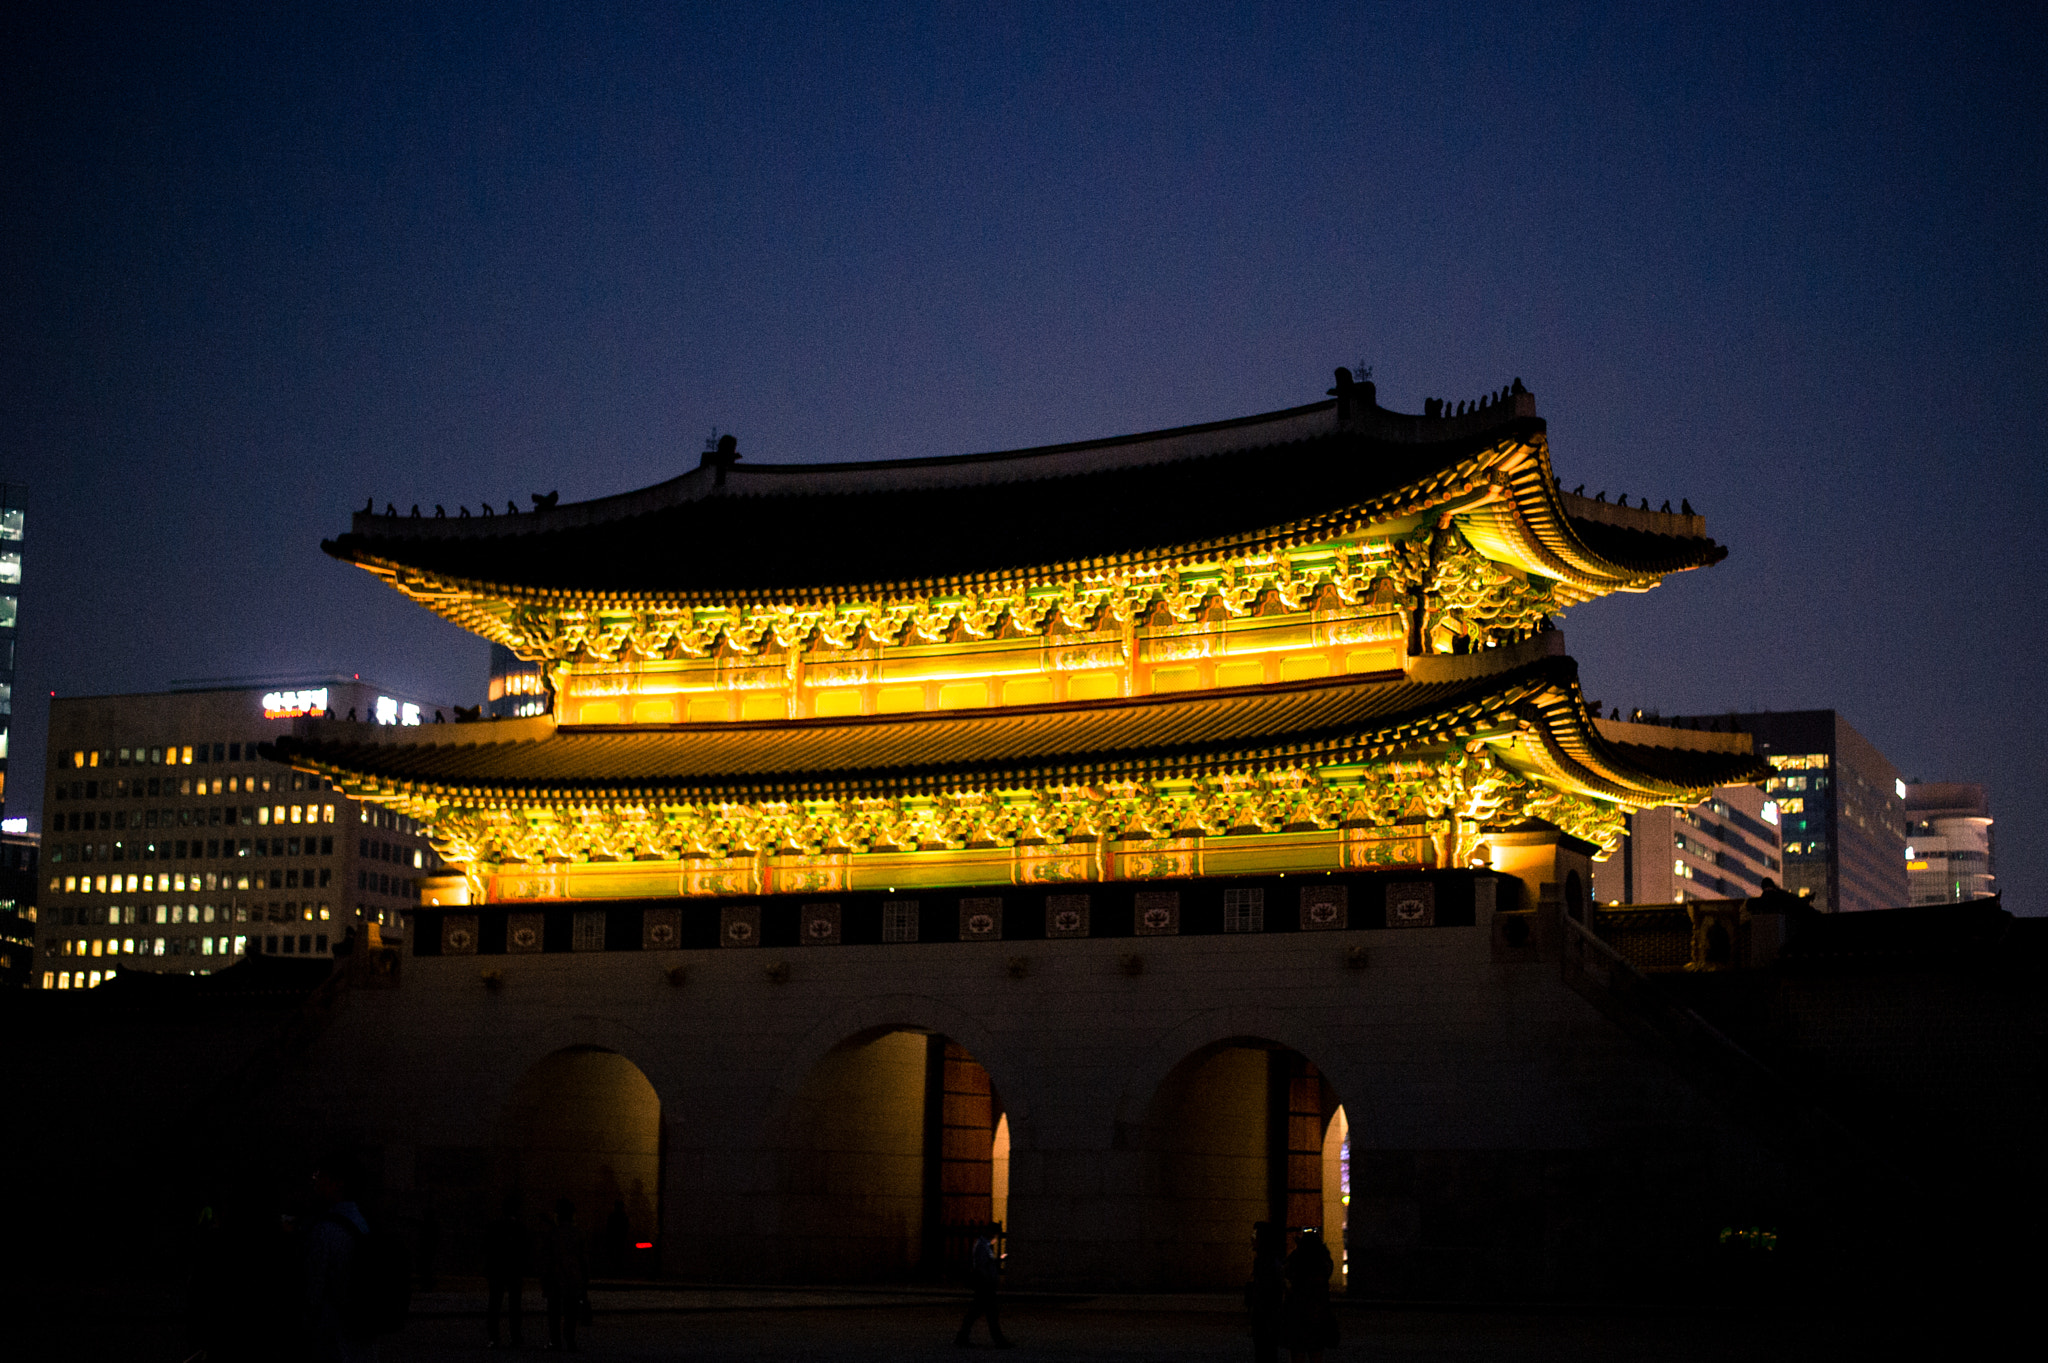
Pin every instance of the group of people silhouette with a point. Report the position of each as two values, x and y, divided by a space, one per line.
1289 1295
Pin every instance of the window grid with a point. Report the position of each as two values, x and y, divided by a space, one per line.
1244 910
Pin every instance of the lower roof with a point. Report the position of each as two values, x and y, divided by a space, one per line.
1323 723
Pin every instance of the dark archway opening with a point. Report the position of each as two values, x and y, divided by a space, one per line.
895 1148
1243 1131
584 1124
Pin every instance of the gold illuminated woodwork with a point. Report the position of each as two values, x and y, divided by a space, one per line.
1478 553
1477 557
1424 812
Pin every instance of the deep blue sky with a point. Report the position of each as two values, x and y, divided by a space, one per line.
256 266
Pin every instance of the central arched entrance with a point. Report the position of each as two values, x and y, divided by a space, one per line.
894 1149
1242 1131
584 1125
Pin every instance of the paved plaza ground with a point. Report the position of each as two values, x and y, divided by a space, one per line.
73 1321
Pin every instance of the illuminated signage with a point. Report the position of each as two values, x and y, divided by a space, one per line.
14 825
391 711
1770 811
293 704
1900 787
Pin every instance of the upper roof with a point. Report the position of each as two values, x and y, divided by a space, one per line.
1532 705
738 529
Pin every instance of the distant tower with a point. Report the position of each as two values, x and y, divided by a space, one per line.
12 498
1950 850
517 688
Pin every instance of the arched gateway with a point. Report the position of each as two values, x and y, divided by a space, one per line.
1074 838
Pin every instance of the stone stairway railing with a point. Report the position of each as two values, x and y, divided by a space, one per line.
1765 1101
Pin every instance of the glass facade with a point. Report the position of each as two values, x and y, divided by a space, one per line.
517 688
12 517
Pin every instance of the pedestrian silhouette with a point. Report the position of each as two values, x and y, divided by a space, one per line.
618 1237
565 1276
985 1270
1310 1324
505 1269
1266 1294
426 1245
334 1259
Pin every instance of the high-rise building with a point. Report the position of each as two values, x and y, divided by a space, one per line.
517 688
1724 847
1950 853
1841 807
12 496
19 853
170 844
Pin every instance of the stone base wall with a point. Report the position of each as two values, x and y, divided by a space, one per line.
1507 1141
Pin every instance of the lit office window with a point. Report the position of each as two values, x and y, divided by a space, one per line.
241 945
49 979
63 979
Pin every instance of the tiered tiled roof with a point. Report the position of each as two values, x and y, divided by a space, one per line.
739 531
1533 708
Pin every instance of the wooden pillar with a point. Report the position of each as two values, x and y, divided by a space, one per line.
1304 1144
960 1134
1294 1141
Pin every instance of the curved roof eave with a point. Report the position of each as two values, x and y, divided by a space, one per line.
1525 523
1536 707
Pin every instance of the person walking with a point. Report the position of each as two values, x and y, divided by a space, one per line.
333 1259
427 1245
618 1238
565 1276
1266 1293
1310 1325
505 1247
985 1271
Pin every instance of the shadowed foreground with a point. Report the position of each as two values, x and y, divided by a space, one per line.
73 1322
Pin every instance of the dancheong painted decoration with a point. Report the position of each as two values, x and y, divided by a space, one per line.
1318 639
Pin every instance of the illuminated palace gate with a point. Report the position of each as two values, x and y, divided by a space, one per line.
823 702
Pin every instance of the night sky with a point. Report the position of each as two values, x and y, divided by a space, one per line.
260 266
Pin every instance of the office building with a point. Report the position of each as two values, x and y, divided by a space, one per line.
11 525
1841 807
1949 847
1724 847
19 854
517 689
171 844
